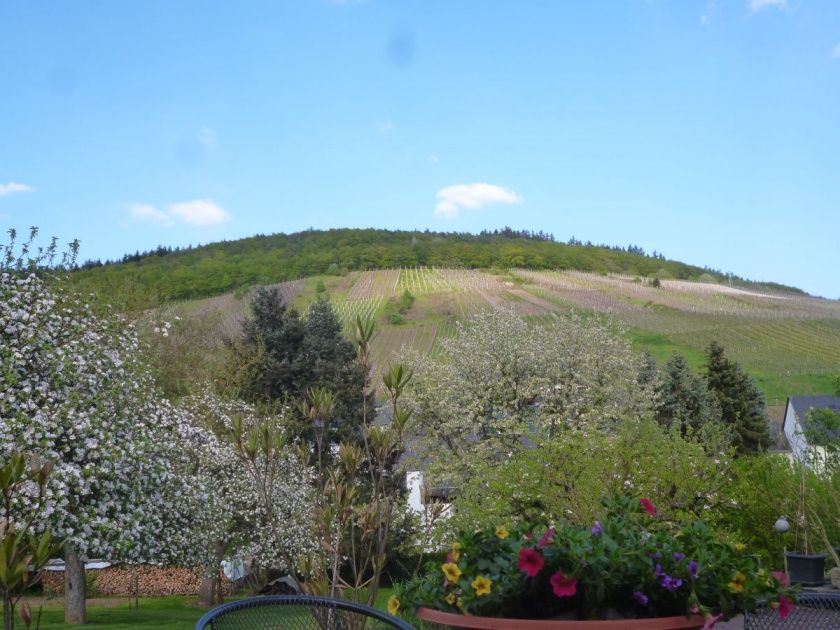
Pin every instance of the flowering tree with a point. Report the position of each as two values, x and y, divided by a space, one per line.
73 393
249 494
503 380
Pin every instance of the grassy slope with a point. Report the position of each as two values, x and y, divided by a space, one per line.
789 343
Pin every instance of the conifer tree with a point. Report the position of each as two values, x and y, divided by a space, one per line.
741 403
682 398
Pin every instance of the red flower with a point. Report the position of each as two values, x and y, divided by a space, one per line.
785 606
648 506
531 561
782 577
546 538
563 585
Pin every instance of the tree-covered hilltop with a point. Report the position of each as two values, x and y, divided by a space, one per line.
263 259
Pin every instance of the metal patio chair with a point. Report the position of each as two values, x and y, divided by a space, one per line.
814 611
297 612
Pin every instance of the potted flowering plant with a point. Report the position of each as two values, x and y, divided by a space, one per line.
626 569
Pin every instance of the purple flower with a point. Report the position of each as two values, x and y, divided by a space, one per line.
641 598
666 581
678 557
596 528
692 568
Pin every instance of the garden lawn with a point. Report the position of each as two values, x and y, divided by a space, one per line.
179 613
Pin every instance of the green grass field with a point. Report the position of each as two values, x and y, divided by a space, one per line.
177 613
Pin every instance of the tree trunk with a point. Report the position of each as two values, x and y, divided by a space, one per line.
210 583
8 612
74 586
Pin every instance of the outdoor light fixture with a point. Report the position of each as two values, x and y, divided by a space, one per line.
781 526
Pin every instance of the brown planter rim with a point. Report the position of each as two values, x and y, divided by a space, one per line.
456 620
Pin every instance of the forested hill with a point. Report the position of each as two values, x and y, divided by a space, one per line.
228 265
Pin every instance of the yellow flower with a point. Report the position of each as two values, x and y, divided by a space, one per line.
456 550
740 547
393 605
481 585
451 571
450 599
459 603
502 532
737 583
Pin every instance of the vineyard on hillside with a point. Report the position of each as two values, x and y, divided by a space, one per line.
786 337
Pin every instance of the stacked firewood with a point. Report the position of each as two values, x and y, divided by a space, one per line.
129 580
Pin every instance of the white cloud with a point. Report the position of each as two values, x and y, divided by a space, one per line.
758 5
199 212
13 187
836 52
147 212
453 199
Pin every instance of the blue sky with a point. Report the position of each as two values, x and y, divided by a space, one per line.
706 130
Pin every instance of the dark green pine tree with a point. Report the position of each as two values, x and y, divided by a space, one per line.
682 398
271 353
741 403
332 363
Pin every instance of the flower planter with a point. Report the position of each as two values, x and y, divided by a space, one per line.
456 622
807 569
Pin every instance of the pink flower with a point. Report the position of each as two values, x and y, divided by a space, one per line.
785 606
531 561
782 577
648 506
563 585
546 538
711 621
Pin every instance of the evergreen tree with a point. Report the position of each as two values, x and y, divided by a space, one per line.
284 357
682 398
331 363
272 349
741 403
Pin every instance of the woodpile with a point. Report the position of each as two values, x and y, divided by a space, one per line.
148 580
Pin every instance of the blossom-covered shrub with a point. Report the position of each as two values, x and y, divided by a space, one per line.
625 563
250 495
72 392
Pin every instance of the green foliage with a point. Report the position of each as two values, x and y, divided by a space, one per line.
23 551
320 287
765 487
627 561
563 478
682 398
220 267
656 283
741 403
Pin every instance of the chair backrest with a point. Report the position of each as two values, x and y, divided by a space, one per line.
297 612
813 611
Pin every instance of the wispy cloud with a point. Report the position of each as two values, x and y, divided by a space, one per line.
453 199
710 12
757 5
13 187
199 212
836 52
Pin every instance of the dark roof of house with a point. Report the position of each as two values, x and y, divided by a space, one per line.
801 404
